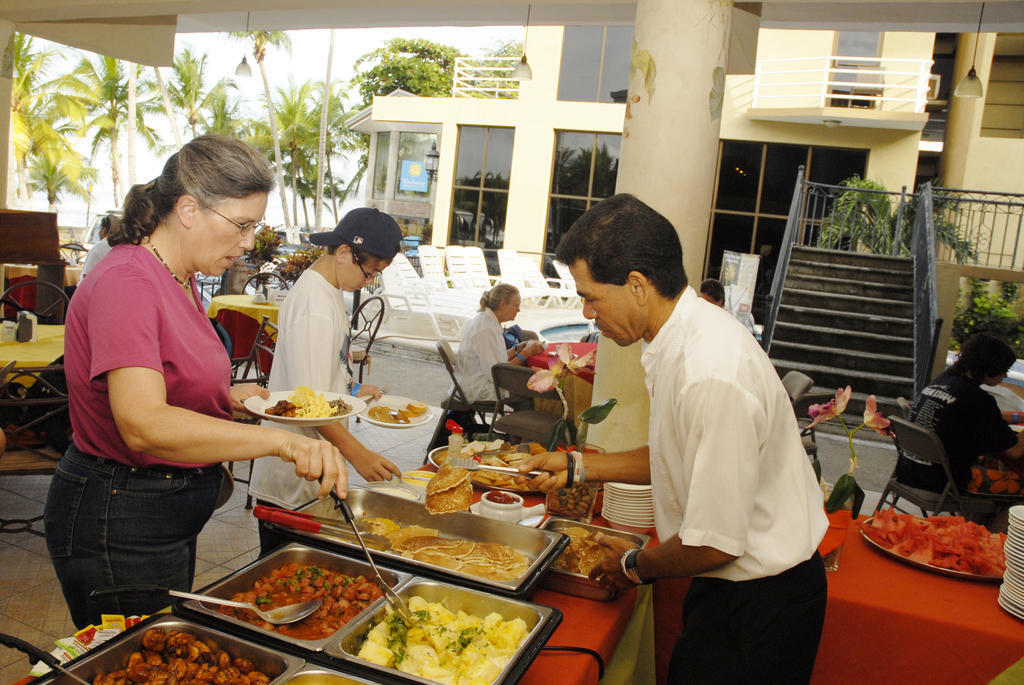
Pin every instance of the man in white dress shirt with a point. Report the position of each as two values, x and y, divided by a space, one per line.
737 504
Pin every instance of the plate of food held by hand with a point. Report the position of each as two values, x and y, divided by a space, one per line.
393 411
305 407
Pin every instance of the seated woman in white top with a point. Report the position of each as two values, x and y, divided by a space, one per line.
483 343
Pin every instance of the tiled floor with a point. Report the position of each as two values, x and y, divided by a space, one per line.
31 604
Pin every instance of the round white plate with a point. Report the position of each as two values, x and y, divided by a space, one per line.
258 406
394 402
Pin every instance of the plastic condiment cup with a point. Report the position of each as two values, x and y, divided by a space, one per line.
501 505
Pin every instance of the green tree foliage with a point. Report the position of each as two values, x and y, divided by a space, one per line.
415 65
57 177
990 313
191 95
867 217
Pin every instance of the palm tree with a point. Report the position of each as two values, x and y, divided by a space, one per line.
165 98
297 117
224 116
102 84
321 149
61 177
188 92
44 112
261 40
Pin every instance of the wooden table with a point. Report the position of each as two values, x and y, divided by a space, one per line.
48 347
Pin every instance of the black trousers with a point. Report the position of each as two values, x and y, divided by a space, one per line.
756 631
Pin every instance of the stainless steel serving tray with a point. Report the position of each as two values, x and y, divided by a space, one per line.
577 584
540 546
320 675
540 620
113 654
243 579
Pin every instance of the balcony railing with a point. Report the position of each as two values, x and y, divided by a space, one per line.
485 77
836 81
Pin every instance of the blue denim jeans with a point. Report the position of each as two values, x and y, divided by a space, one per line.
109 526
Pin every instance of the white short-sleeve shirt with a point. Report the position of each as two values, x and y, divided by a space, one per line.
312 325
482 346
728 469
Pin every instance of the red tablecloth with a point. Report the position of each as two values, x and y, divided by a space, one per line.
544 359
890 622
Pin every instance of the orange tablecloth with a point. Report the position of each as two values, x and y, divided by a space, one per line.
889 622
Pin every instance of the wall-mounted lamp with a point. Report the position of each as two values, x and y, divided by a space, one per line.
522 71
831 123
970 85
430 163
243 69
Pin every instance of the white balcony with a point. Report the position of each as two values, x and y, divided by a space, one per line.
485 77
872 92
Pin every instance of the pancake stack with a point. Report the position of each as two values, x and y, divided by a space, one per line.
449 490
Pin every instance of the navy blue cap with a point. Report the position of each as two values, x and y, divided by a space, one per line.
366 229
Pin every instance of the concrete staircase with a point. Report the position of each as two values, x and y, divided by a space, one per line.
848 319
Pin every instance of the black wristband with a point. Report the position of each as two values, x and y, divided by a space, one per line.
570 462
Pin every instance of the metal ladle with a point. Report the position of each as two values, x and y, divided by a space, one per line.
279 615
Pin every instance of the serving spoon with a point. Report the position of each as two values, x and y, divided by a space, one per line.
289 613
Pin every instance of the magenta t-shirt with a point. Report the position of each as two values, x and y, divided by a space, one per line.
129 311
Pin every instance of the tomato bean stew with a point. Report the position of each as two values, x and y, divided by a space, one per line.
343 598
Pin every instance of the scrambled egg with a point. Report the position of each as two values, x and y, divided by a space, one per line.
451 648
310 404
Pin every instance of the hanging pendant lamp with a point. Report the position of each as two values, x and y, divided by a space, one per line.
970 86
522 71
243 69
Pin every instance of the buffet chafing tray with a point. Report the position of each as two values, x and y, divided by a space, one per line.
540 546
541 621
113 654
320 675
243 579
575 583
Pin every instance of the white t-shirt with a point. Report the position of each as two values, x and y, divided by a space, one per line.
96 253
312 326
482 346
728 469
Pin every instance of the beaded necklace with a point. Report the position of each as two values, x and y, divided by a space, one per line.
182 282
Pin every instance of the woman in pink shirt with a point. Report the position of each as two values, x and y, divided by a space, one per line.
149 384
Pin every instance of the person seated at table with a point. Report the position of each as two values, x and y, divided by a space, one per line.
312 350
108 223
969 423
712 290
150 397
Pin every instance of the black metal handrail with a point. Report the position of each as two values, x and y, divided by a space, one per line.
926 300
789 237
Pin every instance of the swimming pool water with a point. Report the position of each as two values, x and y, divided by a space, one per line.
567 333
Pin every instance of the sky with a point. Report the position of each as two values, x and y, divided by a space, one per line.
306 61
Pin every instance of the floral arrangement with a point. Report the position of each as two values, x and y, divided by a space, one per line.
554 377
847 486
293 265
264 247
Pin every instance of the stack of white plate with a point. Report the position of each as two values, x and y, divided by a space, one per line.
628 505
1011 592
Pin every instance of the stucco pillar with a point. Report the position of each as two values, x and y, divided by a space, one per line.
6 83
668 158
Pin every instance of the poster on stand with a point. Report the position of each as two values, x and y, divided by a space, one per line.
739 278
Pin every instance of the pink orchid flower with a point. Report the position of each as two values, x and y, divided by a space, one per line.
574 365
545 379
873 418
831 409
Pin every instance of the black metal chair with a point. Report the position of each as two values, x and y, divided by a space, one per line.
366 323
34 408
512 391
924 445
457 400
264 279
260 357
47 301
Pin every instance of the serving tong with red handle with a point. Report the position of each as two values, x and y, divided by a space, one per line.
300 520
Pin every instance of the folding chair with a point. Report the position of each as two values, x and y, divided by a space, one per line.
796 384
525 424
457 400
366 322
924 445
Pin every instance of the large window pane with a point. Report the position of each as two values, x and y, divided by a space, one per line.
618 50
563 213
831 166
606 165
413 182
728 232
737 178
380 165
499 157
463 225
493 208
471 155
572 163
581 62
780 167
